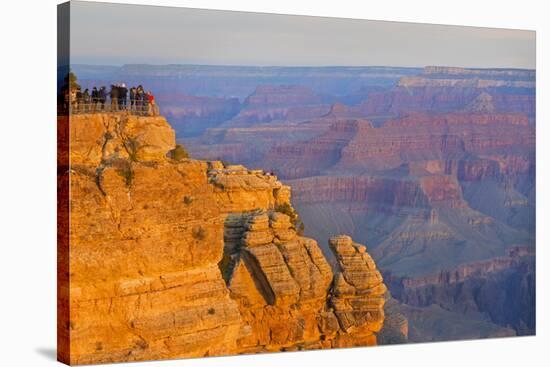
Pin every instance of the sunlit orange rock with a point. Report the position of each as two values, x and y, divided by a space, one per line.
191 258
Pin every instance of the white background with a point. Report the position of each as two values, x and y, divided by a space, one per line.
28 183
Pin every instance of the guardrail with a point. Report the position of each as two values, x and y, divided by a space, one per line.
136 107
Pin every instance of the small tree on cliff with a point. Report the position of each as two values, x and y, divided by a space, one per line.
294 217
179 153
70 82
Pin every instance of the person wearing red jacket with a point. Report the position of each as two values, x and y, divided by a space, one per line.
151 103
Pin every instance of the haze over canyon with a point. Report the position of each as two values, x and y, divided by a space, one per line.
433 169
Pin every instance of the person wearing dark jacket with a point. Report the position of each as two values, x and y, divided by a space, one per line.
95 98
114 97
122 96
102 94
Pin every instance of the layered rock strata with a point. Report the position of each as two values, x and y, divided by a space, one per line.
502 289
358 293
283 283
192 258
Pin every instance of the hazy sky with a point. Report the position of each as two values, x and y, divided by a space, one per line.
116 34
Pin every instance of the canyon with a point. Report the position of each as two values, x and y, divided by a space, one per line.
433 168
171 258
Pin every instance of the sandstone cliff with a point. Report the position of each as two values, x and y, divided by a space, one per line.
192 258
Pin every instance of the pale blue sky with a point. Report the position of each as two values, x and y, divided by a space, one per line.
116 34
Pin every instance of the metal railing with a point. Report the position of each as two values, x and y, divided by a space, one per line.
134 107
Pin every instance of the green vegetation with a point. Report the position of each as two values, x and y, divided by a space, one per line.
71 81
124 169
179 153
132 146
294 217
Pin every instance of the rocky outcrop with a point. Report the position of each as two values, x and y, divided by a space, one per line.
146 239
283 283
193 258
99 137
238 189
358 293
280 281
502 288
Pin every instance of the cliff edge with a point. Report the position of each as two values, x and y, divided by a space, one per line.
187 258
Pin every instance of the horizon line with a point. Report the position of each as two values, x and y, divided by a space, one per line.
299 66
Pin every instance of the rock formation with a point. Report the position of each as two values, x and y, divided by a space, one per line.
191 115
501 288
274 103
192 258
358 293
442 89
434 168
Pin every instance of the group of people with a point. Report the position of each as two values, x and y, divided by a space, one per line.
118 98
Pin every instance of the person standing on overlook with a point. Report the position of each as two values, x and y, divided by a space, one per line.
141 102
151 103
78 99
132 98
122 96
145 98
95 98
86 100
139 98
102 94
114 97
